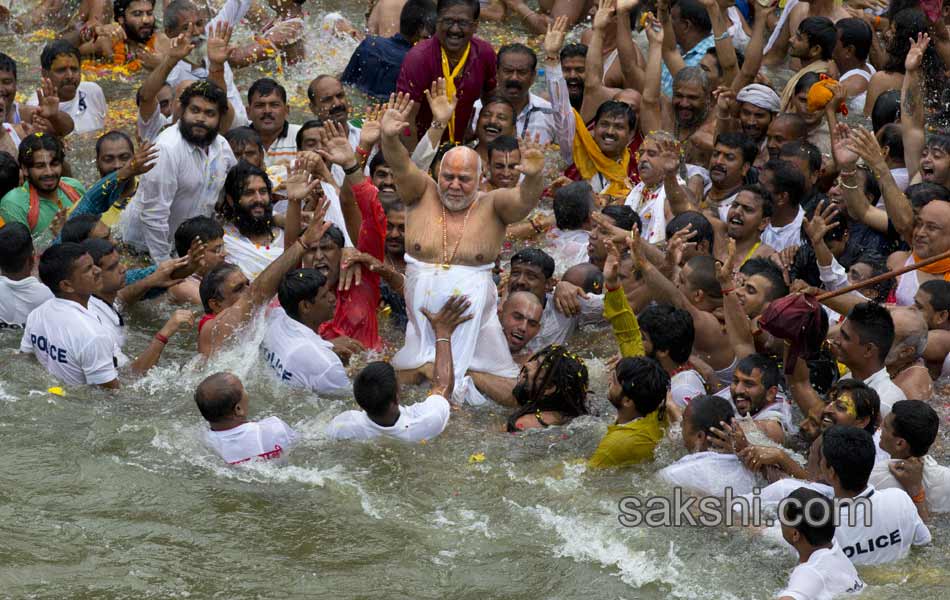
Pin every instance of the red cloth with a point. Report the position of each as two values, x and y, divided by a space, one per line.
355 313
204 321
799 319
423 65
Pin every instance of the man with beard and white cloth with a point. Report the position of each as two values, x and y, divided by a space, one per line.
752 112
251 239
454 233
193 161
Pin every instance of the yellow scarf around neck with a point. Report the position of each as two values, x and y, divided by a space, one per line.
590 161
450 76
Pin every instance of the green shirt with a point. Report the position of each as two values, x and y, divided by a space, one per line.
15 205
629 444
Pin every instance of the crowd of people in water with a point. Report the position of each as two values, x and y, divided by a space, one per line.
702 211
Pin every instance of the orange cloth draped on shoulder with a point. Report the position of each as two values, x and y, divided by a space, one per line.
941 267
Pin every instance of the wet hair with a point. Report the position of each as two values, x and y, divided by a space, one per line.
787 178
235 184
307 125
201 227
537 258
120 6
207 90
36 142
614 108
874 325
692 75
907 24
16 247
54 50
9 173
701 226
335 235
311 92
939 291
767 366
299 285
821 32
210 287
378 161
811 514
892 139
502 143
939 140
695 14
919 194
567 373
57 264
474 5
623 216
591 279
416 15
498 99
867 403
376 388
7 64
703 275
802 149
114 136
707 412
573 205
765 198
217 397
887 109
734 139
878 264
670 330
98 249
850 452
644 381
807 80
573 51
266 86
239 137
78 228
916 422
771 272
517 48
856 33
173 13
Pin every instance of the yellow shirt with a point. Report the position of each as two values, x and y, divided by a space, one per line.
629 444
624 323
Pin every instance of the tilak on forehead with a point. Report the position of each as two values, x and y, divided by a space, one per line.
848 403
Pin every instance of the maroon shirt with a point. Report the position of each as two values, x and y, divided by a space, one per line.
423 65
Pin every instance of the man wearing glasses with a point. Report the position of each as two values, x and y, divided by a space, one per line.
467 64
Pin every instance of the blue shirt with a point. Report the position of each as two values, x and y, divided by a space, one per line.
374 66
691 58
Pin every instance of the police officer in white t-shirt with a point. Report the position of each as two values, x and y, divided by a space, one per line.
292 346
377 391
20 292
67 338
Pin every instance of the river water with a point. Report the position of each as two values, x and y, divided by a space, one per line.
113 495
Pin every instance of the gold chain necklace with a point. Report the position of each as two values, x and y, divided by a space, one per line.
446 259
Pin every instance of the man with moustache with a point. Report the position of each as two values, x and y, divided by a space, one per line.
328 102
784 128
267 109
454 233
496 119
14 113
746 219
751 112
193 162
251 240
754 392
652 199
731 160
517 67
83 101
133 47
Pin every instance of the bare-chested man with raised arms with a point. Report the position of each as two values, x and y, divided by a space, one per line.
454 232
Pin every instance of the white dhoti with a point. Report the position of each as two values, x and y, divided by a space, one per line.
477 344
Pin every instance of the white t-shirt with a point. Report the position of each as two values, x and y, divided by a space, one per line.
825 575
782 237
113 324
567 248
895 527
710 473
248 256
284 148
421 421
71 343
556 327
87 108
299 356
686 385
18 299
149 129
268 439
936 481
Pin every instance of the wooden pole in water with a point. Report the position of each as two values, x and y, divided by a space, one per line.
884 277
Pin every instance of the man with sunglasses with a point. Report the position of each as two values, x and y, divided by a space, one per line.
467 64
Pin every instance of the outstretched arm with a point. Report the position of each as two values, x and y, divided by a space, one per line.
443 325
912 105
631 61
847 160
738 326
514 204
753 52
725 52
595 92
650 115
411 182
179 49
896 203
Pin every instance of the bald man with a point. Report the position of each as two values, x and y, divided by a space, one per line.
521 322
454 233
905 361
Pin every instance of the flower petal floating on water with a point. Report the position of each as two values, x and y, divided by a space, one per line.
477 457
57 391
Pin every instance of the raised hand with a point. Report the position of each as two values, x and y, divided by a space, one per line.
451 316
844 155
612 266
180 318
112 31
633 242
532 156
165 275
335 145
396 117
669 154
300 183
181 46
728 438
142 162
916 53
371 130
313 162
351 262
440 104
605 13
863 143
318 227
728 268
554 38
725 102
821 222
59 219
678 243
654 30
48 99
196 254
217 46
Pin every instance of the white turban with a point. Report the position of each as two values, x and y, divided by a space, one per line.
760 95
